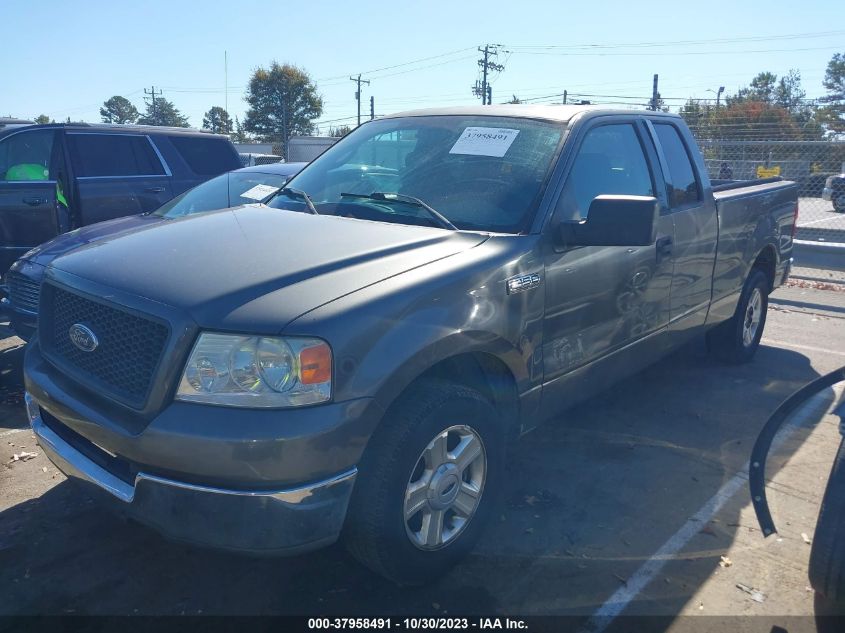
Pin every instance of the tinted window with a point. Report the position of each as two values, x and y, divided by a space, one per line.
228 190
206 156
683 189
609 161
480 172
27 156
113 155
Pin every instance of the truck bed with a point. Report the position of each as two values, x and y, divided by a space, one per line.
751 213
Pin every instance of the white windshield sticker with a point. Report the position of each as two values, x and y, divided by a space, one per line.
484 141
259 192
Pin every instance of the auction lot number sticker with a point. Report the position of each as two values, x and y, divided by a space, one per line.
484 141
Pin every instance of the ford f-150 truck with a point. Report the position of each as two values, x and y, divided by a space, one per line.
442 281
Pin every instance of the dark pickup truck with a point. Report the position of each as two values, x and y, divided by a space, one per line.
443 281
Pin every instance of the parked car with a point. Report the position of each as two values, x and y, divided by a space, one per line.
269 382
242 186
834 191
249 159
58 177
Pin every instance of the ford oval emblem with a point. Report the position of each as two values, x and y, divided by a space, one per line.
83 338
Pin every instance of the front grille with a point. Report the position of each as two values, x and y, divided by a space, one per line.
128 351
23 292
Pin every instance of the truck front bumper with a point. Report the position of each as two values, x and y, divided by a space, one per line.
286 521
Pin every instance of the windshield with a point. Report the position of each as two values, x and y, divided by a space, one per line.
226 190
480 173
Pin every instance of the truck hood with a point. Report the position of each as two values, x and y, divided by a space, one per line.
48 251
255 269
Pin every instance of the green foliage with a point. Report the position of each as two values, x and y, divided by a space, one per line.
768 108
240 135
217 120
119 110
42 119
283 101
340 131
515 100
162 112
833 113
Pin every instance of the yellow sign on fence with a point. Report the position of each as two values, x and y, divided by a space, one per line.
768 172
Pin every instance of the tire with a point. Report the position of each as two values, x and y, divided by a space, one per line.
839 203
730 341
404 452
827 557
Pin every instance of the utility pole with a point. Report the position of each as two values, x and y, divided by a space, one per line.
372 107
226 81
655 96
718 95
485 91
359 81
564 97
152 93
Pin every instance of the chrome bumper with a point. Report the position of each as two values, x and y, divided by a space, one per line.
274 522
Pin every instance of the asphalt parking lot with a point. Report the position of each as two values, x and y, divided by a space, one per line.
630 503
817 221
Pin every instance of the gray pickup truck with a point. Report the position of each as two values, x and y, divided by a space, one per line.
356 358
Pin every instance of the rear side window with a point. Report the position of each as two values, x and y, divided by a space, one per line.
28 155
98 155
683 188
206 156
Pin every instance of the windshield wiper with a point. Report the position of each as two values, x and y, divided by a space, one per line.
401 197
290 192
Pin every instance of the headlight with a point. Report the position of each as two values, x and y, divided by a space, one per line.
257 371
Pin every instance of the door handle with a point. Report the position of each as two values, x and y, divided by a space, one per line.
664 247
154 189
34 201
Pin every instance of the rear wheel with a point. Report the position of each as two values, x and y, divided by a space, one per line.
427 483
827 558
736 341
839 202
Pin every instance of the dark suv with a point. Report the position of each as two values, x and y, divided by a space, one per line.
54 178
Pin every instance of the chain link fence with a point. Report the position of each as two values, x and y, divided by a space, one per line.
808 163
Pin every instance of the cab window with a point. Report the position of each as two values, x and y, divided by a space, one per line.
610 161
683 188
27 156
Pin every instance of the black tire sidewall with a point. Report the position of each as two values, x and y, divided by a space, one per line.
404 562
757 279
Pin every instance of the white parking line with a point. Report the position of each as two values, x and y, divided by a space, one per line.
808 348
620 600
800 224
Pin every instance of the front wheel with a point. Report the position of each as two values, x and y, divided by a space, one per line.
427 483
736 341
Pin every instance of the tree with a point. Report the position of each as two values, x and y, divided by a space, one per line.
217 120
42 119
339 131
282 101
240 135
833 113
160 111
118 110
761 88
789 94
515 100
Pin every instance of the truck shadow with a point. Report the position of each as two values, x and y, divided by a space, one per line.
588 499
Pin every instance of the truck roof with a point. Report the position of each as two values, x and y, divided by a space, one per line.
558 113
127 127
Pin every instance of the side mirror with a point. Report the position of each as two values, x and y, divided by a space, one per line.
614 221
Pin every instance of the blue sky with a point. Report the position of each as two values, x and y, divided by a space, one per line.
66 62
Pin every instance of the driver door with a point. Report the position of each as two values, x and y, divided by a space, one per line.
607 307
29 163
